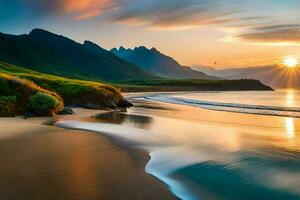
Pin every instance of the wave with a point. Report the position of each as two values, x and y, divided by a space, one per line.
230 107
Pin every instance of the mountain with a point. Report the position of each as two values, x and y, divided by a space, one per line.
275 76
202 68
153 61
50 53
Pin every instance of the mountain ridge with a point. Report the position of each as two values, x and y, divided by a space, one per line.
55 54
153 61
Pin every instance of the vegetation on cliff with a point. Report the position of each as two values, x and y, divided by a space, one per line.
16 100
23 97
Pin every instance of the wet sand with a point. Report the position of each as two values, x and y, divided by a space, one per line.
45 163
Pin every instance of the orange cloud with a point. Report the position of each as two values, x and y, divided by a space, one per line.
85 9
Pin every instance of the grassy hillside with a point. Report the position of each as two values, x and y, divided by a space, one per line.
70 92
21 97
191 85
49 53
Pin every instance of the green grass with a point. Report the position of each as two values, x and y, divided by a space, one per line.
16 95
191 84
8 99
71 92
80 93
42 104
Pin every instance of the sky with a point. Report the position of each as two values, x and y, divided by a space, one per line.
218 33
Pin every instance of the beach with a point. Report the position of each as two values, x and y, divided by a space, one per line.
149 100
155 150
46 162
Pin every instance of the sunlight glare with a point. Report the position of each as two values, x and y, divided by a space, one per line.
290 98
290 127
290 62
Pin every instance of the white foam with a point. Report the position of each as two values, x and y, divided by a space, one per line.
230 107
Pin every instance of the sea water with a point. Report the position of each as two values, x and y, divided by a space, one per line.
214 145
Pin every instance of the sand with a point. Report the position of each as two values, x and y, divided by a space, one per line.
43 162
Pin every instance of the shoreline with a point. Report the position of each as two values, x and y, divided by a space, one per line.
166 143
122 168
156 144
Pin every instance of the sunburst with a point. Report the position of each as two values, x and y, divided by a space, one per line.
290 62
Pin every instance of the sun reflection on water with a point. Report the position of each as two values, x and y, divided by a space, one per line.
290 122
290 98
290 127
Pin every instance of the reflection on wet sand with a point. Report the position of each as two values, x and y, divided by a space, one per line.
49 163
139 121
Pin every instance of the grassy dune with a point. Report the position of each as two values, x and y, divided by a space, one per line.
70 92
21 97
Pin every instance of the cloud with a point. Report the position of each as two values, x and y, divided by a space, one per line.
251 18
278 34
85 9
79 9
153 13
177 13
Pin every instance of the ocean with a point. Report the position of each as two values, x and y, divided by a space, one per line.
278 103
213 145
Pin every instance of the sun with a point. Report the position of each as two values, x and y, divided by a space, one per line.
290 62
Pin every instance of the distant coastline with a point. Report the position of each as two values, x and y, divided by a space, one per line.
169 85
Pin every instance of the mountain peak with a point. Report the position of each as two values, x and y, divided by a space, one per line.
148 50
154 49
41 33
38 31
141 48
122 48
137 48
89 43
157 63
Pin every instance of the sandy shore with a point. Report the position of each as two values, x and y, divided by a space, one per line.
191 149
43 162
